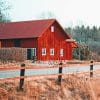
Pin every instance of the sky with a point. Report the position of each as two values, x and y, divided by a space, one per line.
67 12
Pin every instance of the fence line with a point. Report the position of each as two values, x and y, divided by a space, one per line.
85 75
46 75
31 76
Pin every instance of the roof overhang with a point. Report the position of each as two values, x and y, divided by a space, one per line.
73 42
70 40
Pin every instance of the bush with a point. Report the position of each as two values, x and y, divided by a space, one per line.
13 54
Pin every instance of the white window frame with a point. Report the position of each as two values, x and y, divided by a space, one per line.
43 51
52 29
34 52
61 52
52 52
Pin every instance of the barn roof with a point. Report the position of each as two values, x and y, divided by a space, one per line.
26 29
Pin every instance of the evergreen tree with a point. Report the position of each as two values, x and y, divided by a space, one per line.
88 40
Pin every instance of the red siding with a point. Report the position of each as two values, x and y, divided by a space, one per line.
54 40
25 43
29 43
7 43
48 40
69 51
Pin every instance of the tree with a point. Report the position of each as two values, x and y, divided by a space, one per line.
3 11
87 37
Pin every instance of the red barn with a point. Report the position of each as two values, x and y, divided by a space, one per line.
45 39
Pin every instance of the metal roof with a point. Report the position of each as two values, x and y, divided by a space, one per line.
24 29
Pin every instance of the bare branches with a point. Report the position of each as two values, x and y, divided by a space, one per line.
3 10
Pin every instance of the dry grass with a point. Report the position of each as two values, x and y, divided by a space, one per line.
72 88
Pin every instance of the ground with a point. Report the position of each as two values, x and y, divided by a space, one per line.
73 87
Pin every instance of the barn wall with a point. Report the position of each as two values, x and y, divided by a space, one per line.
54 40
7 43
24 43
29 43
69 51
0 44
48 40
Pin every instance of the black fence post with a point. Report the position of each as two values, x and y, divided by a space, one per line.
91 69
60 72
22 73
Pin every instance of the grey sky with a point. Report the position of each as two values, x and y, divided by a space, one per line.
67 12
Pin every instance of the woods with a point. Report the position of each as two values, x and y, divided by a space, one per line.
88 39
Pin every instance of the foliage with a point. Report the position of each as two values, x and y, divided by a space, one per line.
13 54
88 36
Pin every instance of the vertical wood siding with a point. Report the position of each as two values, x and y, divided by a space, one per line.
54 40
7 43
29 43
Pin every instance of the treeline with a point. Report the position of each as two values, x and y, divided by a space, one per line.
87 38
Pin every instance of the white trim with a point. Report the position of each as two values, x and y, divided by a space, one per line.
70 40
62 52
43 51
52 51
52 28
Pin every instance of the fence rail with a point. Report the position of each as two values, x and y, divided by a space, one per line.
96 72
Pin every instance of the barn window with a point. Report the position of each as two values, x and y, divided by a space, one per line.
17 43
61 52
52 28
43 51
51 51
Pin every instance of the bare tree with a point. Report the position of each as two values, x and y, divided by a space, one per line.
4 11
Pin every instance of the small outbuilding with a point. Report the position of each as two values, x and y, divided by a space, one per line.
44 39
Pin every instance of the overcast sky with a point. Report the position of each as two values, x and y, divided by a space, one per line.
67 12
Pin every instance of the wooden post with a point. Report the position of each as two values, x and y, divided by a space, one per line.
91 69
60 72
22 73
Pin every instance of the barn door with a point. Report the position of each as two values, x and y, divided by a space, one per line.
31 52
